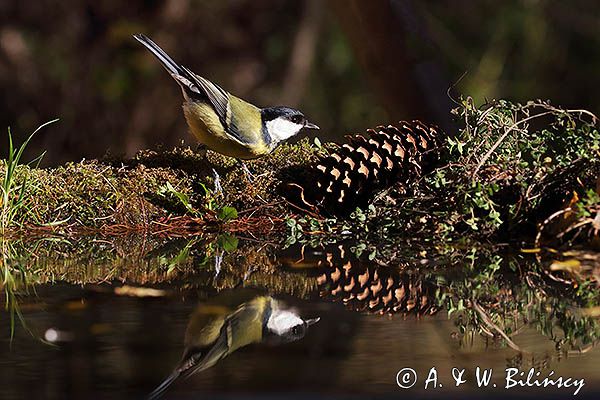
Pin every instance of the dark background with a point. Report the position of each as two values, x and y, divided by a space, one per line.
349 64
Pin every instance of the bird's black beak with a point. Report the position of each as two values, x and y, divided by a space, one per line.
310 125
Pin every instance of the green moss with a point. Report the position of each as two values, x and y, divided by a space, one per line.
128 192
263 189
92 193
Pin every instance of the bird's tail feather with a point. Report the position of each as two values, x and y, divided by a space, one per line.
162 388
163 57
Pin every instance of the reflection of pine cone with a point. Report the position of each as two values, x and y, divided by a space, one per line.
376 289
354 171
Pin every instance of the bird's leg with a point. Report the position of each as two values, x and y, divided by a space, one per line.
217 179
246 276
218 261
250 272
247 172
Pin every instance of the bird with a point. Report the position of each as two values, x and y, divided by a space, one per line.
225 123
230 321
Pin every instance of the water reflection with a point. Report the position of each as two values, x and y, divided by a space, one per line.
230 321
458 307
365 286
489 295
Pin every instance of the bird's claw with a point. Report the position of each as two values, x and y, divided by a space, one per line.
249 273
249 175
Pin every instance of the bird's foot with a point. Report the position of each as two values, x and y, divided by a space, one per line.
217 179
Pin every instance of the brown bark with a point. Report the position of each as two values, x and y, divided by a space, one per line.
392 46
303 53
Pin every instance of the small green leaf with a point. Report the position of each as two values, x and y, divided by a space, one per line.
372 255
291 222
184 199
318 143
227 242
227 213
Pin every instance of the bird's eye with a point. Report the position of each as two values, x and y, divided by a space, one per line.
296 119
298 330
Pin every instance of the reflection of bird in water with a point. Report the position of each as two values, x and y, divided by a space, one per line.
232 320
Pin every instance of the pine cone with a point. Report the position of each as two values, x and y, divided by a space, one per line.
375 289
349 176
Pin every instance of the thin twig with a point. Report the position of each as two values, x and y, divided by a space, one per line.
486 319
538 236
501 139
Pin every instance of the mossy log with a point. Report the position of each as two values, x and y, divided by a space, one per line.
127 195
487 180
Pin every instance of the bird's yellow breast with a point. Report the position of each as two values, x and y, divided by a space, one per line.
206 127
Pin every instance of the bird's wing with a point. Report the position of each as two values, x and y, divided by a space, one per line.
235 131
196 359
245 122
216 95
221 103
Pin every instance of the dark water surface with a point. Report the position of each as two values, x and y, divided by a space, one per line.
111 346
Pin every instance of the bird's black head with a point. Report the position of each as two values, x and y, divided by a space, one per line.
281 123
290 114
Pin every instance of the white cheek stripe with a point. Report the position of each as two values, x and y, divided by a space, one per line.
281 322
281 129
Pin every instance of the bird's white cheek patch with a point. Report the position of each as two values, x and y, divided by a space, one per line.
282 129
281 322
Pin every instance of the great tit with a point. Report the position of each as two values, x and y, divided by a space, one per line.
225 123
232 320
